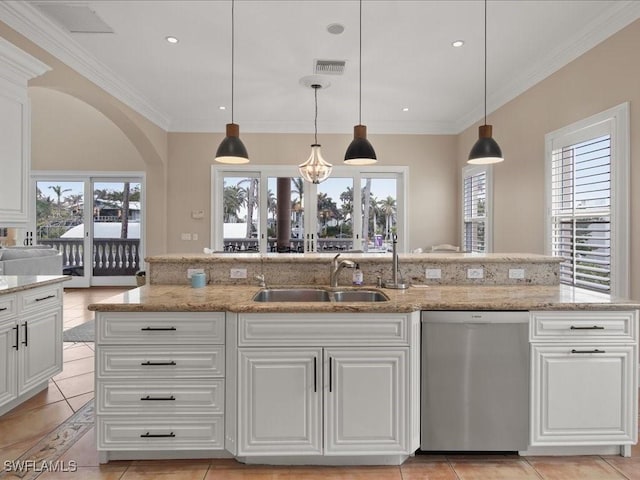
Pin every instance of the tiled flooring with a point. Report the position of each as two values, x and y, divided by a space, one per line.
38 429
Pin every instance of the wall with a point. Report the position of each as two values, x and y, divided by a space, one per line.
604 77
432 178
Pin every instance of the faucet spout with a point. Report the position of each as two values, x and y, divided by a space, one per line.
395 269
336 266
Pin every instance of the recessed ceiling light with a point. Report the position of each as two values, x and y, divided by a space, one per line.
405 109
335 28
222 107
171 39
457 43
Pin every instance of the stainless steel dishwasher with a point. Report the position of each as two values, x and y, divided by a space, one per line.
475 381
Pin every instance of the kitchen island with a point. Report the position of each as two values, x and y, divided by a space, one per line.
30 335
189 372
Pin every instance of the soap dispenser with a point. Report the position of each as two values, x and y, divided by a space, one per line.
358 278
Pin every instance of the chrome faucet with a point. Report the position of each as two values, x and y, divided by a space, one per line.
336 266
261 281
395 269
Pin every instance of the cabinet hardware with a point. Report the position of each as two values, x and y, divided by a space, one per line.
330 382
17 345
158 435
158 398
588 351
3 309
26 335
158 329
595 327
148 363
315 374
45 298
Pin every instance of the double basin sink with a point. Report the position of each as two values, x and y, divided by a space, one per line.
318 295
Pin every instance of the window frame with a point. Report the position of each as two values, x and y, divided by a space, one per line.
470 171
616 122
263 172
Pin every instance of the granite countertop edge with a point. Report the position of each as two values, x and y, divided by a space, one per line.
239 299
18 283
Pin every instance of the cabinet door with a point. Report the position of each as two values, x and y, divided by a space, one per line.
279 395
583 395
40 348
8 354
365 400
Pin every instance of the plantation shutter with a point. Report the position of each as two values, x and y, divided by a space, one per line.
475 211
581 212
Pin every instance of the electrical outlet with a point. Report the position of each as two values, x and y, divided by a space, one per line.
191 271
433 273
238 273
475 272
517 273
185 236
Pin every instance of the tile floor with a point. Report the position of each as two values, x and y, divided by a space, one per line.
38 429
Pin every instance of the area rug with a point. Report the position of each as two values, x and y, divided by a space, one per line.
84 332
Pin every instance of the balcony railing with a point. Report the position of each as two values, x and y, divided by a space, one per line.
111 256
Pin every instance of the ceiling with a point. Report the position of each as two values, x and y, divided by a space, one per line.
407 57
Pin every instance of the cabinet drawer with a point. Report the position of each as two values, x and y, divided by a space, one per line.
161 397
7 306
166 328
160 361
160 433
38 298
333 329
614 326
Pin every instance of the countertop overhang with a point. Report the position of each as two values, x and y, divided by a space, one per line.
17 283
239 299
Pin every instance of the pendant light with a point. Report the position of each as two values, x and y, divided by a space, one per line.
486 150
315 169
360 151
232 150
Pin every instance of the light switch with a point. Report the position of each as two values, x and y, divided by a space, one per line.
433 273
238 273
517 273
475 272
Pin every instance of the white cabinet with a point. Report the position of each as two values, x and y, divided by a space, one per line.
328 398
30 343
160 383
16 68
584 378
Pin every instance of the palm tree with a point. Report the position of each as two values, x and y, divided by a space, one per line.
251 201
57 189
388 209
124 225
366 200
234 198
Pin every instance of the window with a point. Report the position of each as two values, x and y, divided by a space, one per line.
290 215
476 209
587 198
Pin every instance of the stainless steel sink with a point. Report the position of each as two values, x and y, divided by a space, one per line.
360 296
292 295
318 295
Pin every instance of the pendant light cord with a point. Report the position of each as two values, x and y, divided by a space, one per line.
485 62
232 53
360 72
315 119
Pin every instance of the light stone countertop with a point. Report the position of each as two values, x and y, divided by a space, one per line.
17 283
446 257
234 298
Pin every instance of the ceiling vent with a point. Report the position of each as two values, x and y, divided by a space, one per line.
75 18
329 67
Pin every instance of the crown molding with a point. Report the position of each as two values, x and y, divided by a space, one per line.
31 23
593 33
19 66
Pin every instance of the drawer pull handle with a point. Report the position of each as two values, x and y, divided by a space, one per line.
315 374
26 335
3 309
330 376
595 327
158 435
588 351
158 398
17 345
158 329
45 298
146 364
